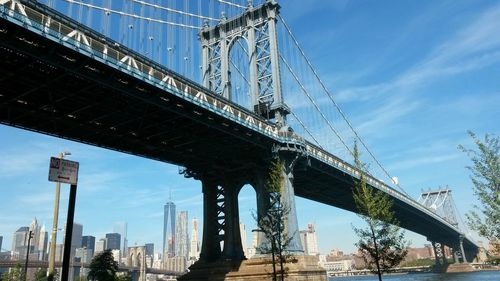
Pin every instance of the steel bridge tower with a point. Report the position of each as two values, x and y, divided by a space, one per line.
257 26
441 203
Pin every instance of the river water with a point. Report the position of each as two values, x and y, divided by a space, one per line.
467 276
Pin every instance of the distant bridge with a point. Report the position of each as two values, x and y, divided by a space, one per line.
45 264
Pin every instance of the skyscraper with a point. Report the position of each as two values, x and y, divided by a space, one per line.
20 242
100 246
309 240
194 252
150 249
88 242
243 234
76 242
181 235
113 241
1 240
121 228
43 243
169 232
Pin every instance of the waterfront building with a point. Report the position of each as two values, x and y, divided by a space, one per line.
43 243
243 234
168 229
309 240
20 241
88 242
181 235
59 252
121 228
150 249
116 255
340 265
113 241
194 251
251 251
84 255
100 246
177 264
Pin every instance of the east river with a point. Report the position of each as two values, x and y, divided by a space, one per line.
468 276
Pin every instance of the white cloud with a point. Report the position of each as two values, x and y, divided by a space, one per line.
474 47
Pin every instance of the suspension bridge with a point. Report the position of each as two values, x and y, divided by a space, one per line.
125 75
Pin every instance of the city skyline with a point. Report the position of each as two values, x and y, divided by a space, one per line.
413 106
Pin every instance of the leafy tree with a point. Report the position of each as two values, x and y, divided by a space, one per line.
485 178
15 274
41 274
103 267
124 277
382 242
272 224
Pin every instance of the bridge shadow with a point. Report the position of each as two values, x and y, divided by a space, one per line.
217 270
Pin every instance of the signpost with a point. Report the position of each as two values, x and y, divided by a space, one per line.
65 171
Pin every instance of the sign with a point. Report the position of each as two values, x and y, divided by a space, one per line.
63 171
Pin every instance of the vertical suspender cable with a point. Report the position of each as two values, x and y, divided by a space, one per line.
337 106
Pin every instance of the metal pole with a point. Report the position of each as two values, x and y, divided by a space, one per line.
53 238
69 233
30 233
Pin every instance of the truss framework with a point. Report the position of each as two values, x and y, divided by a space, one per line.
257 26
441 203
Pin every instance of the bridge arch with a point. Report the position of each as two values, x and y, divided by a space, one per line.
239 71
247 199
137 258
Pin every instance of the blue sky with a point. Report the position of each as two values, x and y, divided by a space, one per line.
413 76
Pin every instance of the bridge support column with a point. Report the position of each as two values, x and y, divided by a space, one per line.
287 194
263 205
461 240
233 249
439 254
288 200
445 260
210 247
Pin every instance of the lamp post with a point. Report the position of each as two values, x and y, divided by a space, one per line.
53 239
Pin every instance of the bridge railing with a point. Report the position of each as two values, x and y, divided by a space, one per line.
61 29
328 158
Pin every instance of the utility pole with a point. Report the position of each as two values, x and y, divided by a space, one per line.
53 239
30 235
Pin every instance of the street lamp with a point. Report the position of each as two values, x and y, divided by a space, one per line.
52 252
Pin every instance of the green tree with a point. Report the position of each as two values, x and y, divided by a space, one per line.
485 176
272 223
41 274
103 267
15 274
124 277
382 242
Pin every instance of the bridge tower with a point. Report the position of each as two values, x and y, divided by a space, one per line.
137 258
441 203
257 26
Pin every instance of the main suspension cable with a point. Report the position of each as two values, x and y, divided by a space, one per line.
314 103
173 10
106 10
344 116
